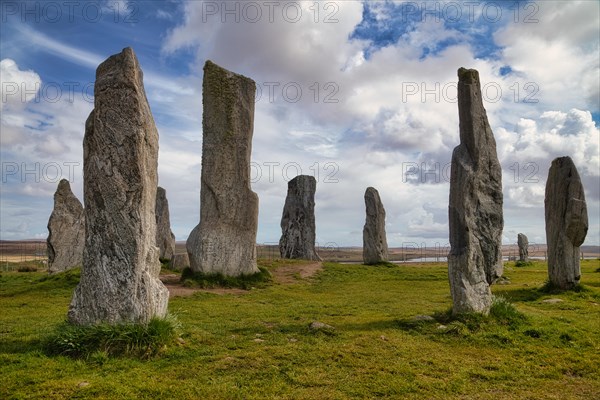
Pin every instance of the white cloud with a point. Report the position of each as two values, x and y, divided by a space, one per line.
377 125
559 53
553 134
17 87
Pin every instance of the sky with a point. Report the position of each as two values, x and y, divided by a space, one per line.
355 93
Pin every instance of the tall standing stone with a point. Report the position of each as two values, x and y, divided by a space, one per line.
566 223
119 279
179 261
475 210
523 244
298 220
225 239
375 248
66 228
165 240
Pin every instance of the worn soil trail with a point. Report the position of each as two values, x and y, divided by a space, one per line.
283 275
295 273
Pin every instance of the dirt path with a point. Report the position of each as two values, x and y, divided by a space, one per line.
295 273
285 275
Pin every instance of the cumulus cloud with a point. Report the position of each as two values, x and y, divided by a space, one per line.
526 153
17 87
553 134
397 106
560 53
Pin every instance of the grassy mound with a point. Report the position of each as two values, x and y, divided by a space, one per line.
209 281
522 264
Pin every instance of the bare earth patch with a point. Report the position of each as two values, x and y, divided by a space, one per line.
286 275
294 273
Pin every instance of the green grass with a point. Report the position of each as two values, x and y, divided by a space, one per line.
25 266
259 346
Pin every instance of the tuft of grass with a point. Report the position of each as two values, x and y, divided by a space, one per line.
130 340
208 281
505 313
521 264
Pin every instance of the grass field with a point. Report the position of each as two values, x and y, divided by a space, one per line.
257 344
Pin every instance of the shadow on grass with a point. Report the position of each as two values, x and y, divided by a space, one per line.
303 328
535 293
377 325
261 279
523 294
20 346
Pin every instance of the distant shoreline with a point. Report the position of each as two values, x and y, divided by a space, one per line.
35 249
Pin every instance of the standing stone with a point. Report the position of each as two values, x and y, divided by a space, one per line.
179 262
119 279
523 244
298 220
566 223
225 239
165 240
66 228
475 211
375 248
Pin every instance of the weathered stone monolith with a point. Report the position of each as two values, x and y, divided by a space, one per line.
179 261
165 240
523 244
566 223
375 248
298 220
119 279
475 211
225 239
66 228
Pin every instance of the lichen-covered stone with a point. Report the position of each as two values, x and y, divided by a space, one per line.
119 278
298 230
475 210
523 244
566 223
66 228
165 240
375 248
225 239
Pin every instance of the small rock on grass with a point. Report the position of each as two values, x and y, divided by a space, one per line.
423 318
552 301
503 281
320 326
